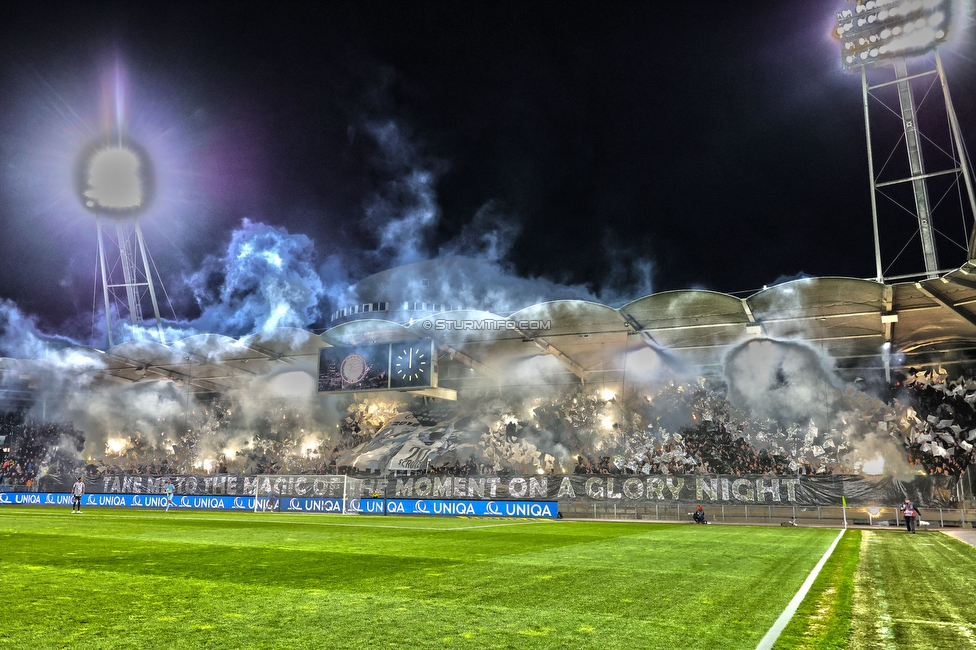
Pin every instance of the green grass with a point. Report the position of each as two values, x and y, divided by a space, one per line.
119 579
914 591
823 620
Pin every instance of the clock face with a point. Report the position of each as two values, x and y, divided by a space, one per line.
411 365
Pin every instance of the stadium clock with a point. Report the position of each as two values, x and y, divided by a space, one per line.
411 364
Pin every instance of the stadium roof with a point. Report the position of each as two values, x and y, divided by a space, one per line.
928 323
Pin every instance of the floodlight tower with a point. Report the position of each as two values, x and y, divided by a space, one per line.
879 38
115 183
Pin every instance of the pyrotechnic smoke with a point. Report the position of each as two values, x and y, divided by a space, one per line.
785 381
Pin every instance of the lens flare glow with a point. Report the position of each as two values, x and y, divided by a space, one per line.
113 180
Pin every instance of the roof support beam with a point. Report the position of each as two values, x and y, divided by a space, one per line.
645 336
474 364
272 356
561 356
748 310
943 300
964 282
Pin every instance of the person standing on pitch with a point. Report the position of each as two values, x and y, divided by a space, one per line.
168 489
910 513
77 491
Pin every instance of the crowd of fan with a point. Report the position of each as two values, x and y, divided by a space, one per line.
52 445
682 429
945 409
704 450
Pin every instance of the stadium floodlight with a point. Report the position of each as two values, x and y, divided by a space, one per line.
113 180
884 29
880 36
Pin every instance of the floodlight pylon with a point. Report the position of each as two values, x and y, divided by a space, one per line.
126 277
874 43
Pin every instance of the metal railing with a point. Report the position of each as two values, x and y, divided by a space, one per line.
769 514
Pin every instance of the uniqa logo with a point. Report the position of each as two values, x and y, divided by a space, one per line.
492 509
516 509
421 507
212 503
453 508
372 507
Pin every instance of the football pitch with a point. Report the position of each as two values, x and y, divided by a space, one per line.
116 579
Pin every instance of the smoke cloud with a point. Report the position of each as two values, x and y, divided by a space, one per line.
266 278
784 381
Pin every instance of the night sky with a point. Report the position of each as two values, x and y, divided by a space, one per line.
614 146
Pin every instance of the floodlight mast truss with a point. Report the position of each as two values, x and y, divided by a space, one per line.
883 34
124 284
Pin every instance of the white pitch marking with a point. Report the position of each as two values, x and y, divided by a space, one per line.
767 641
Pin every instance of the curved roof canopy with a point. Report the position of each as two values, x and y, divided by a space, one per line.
930 322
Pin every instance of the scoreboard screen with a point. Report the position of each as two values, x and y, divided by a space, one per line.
380 366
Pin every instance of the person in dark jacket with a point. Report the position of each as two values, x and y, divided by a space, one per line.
911 515
699 516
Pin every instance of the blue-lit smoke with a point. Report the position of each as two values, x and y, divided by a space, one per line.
20 337
265 278
405 208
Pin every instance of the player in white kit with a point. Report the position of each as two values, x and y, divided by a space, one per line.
77 491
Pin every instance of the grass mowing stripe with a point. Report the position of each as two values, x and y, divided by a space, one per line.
823 621
912 596
767 641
